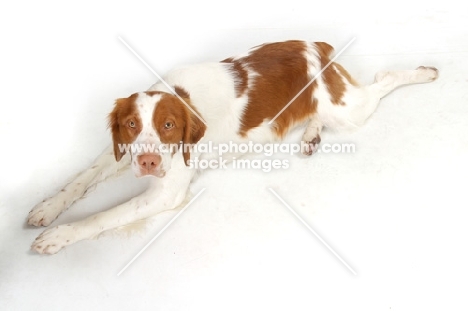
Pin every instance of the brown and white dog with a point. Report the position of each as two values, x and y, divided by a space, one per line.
234 100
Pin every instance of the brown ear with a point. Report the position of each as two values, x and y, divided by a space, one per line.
115 130
193 132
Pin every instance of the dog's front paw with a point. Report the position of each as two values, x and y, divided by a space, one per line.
310 147
44 213
54 239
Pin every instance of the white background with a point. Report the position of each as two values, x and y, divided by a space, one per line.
395 210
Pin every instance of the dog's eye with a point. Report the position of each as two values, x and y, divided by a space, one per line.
168 125
131 124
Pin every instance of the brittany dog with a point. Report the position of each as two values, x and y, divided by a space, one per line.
234 100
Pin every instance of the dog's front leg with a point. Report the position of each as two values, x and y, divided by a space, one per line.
105 166
163 194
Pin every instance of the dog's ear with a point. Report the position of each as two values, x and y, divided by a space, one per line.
114 127
194 130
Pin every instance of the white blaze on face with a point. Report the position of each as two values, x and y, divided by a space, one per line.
145 152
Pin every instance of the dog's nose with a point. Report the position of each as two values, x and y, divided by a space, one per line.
148 163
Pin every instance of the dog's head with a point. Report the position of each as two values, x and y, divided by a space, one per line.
152 127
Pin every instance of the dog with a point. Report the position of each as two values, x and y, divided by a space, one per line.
259 96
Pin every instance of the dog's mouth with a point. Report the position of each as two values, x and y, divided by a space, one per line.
160 173
157 172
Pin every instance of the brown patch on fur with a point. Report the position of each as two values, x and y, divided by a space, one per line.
331 77
324 49
124 112
186 127
181 92
334 74
282 69
241 77
346 74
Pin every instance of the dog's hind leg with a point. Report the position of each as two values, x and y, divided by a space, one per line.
311 137
385 82
359 102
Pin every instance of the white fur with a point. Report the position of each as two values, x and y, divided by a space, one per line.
148 136
212 92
